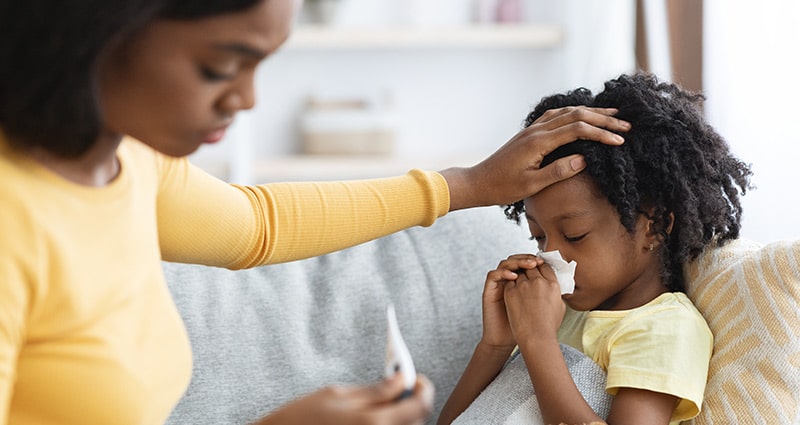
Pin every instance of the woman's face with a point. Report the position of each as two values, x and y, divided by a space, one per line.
615 269
178 84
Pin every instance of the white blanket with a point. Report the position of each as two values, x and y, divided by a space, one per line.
510 400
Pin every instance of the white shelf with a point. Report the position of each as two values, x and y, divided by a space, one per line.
538 36
324 167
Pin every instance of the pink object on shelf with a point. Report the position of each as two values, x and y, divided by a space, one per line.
509 10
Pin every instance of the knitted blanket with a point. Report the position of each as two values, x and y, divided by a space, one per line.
510 400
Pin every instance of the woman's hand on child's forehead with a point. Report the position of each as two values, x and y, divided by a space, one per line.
584 123
513 172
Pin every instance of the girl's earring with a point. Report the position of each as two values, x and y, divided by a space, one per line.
651 246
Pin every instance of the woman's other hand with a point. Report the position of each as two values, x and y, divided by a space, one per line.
373 404
513 173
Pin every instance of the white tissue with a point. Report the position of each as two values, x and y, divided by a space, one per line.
565 272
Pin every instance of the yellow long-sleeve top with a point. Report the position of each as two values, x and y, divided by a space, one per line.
88 331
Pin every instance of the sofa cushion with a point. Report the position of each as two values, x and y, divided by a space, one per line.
264 336
750 296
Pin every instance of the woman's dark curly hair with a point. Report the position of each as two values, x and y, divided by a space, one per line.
49 54
672 162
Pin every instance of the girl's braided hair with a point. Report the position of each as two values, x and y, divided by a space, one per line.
672 162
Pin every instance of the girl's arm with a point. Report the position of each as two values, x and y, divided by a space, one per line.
560 401
558 396
483 367
535 313
497 341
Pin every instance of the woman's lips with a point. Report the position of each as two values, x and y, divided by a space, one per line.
214 136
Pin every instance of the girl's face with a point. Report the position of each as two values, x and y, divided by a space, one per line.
616 270
178 84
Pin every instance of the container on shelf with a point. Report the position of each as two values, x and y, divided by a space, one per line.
346 127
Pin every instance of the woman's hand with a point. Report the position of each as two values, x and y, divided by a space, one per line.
497 332
534 304
374 404
512 172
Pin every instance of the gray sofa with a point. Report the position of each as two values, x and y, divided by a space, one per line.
264 336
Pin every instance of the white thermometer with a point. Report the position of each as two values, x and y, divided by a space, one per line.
398 358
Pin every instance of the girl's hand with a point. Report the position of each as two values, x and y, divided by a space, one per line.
374 404
497 332
534 304
512 172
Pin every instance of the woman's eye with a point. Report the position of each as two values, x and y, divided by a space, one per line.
211 75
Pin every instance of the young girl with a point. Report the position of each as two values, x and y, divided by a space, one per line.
630 221
100 102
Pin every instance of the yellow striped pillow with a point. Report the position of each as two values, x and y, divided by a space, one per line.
750 296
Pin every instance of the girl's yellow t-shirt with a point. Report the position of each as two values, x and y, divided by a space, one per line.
88 330
663 346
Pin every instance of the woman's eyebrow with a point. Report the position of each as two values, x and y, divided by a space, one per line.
242 49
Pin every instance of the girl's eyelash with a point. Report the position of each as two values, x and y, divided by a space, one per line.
576 238
567 238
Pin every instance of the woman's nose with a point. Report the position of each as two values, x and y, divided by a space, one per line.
241 96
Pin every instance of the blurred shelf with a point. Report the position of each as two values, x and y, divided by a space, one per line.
330 167
538 36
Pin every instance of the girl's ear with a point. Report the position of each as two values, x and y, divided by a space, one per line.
654 232
671 222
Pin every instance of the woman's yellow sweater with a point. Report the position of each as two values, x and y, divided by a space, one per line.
88 331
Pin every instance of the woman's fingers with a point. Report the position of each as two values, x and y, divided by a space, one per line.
384 391
411 409
599 117
568 124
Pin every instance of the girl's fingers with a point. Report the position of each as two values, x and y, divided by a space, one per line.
520 262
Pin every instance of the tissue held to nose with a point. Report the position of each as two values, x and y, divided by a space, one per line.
565 272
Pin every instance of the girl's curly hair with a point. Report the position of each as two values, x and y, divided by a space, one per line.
672 162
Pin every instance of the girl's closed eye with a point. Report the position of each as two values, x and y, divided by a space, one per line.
573 239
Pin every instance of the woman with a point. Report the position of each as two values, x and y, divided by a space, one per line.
100 102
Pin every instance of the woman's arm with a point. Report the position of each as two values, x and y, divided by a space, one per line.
203 220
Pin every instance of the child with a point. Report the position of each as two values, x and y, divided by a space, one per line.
630 221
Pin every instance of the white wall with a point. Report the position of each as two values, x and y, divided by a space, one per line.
462 102
752 52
